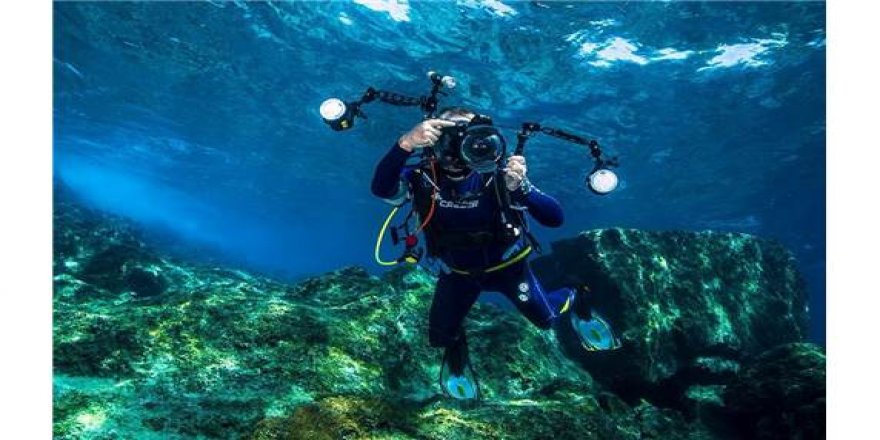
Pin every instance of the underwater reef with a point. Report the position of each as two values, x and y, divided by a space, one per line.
690 306
150 346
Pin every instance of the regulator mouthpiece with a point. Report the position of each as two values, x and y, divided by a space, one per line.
337 114
602 181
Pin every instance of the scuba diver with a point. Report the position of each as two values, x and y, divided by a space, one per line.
474 224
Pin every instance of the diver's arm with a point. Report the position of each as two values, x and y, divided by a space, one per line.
388 181
544 208
387 178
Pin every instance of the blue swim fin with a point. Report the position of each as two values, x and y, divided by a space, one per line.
457 377
595 333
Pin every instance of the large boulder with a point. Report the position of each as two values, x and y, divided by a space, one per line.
688 306
781 394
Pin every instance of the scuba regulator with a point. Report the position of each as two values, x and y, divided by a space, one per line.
477 144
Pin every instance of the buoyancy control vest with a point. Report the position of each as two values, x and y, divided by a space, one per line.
507 226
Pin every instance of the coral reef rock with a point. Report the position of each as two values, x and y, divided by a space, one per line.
688 306
781 394
148 346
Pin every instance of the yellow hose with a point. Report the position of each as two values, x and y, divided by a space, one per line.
381 236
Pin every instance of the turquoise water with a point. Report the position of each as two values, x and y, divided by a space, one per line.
200 120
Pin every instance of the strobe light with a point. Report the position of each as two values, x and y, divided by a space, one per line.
447 81
337 114
602 181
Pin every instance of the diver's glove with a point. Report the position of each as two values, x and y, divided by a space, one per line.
520 193
515 173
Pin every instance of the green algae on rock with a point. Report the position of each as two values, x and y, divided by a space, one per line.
237 352
781 394
583 417
197 351
219 350
688 305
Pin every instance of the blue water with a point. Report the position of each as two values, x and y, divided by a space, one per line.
199 120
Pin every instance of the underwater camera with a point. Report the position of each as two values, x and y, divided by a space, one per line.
478 143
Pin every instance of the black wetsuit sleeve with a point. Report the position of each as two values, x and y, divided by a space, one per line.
386 179
543 208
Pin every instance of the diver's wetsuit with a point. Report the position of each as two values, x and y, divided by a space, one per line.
456 293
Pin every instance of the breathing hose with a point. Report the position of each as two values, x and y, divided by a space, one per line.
382 235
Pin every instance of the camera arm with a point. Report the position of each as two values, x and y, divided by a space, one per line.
427 103
530 128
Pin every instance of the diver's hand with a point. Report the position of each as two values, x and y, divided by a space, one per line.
515 173
424 134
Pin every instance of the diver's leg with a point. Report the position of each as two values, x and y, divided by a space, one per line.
454 296
582 304
519 284
522 287
456 355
